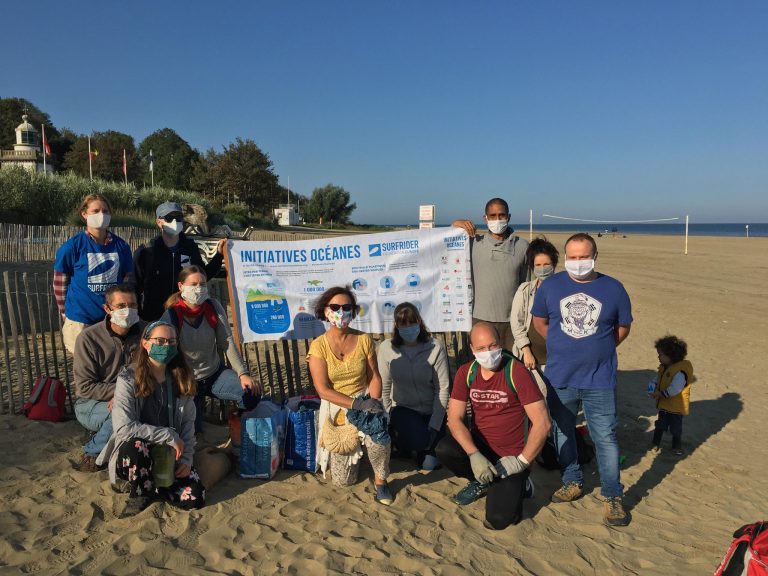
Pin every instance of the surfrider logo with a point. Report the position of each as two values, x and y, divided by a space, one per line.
102 270
374 249
580 314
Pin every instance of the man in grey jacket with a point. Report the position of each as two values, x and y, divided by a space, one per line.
101 351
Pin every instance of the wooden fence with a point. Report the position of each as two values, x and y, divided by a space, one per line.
32 345
22 243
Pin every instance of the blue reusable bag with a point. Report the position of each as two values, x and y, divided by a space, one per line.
262 432
301 440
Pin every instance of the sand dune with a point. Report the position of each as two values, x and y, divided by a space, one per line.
58 521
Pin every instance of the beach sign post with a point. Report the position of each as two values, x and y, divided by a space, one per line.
530 225
686 234
747 227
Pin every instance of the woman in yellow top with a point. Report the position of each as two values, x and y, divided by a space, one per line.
343 366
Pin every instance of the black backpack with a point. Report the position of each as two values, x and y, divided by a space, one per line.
548 459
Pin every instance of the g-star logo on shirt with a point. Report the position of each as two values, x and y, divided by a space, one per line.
494 397
102 270
580 313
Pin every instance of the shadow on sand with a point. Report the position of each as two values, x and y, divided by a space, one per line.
637 415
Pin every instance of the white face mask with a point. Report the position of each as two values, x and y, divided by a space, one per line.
194 295
497 226
580 269
173 227
124 317
490 359
100 220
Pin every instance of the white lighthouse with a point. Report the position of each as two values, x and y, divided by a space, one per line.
27 151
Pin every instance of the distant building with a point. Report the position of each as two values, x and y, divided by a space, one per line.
287 216
26 152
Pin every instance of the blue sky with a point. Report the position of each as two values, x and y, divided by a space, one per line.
613 109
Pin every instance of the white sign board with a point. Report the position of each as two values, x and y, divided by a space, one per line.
427 213
275 284
426 224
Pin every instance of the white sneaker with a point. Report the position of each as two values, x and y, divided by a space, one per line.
430 462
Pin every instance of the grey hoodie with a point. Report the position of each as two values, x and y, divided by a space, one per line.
126 410
419 382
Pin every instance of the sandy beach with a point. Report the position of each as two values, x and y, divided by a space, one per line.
55 520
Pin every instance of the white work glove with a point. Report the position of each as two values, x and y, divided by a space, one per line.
482 468
509 465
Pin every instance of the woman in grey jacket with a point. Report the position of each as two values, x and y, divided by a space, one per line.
153 416
415 384
530 347
204 339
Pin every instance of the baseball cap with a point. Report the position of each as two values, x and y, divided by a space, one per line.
168 208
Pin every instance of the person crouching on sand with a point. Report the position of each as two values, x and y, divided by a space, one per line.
346 376
494 454
671 387
153 416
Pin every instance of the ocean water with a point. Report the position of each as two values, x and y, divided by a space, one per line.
759 229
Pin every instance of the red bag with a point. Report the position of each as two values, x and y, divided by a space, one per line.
47 400
748 554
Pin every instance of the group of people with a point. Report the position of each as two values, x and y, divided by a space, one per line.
151 345
148 345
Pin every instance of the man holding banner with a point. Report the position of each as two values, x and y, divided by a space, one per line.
499 266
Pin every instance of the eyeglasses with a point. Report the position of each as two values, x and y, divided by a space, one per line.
337 307
171 217
160 341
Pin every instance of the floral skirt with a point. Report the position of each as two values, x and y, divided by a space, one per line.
134 464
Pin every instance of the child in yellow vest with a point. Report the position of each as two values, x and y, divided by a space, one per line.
671 387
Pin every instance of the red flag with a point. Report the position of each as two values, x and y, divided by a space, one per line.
125 165
46 146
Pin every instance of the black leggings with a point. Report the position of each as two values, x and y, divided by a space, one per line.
504 501
672 422
134 464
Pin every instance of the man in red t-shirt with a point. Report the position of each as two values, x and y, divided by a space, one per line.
494 454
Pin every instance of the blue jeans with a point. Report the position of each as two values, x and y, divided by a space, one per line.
96 417
600 410
224 384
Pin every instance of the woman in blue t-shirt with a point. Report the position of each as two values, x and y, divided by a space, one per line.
86 266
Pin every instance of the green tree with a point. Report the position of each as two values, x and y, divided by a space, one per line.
205 176
245 174
107 148
174 159
331 203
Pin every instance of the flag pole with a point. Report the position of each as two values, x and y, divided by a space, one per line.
45 169
686 234
152 167
125 169
90 159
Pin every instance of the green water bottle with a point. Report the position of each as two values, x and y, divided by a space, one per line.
163 465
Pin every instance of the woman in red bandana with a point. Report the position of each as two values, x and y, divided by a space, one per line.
204 338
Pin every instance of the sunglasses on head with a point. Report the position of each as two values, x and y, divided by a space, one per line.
337 307
171 217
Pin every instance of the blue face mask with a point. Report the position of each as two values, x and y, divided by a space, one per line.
409 333
163 354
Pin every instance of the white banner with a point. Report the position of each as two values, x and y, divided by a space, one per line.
275 284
